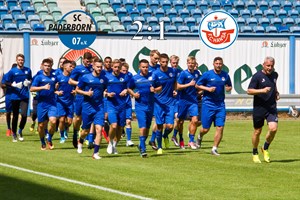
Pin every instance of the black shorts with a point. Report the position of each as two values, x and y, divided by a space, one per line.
261 113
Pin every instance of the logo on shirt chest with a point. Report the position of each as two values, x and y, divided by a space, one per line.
53 79
26 72
171 74
150 78
122 79
263 80
101 80
223 78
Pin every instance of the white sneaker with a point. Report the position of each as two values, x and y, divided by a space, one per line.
129 143
109 149
79 148
21 138
96 156
115 150
214 152
15 139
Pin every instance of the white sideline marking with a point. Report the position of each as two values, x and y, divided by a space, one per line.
76 182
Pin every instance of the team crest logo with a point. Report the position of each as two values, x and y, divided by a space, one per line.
26 72
170 74
121 79
101 81
218 30
150 78
196 75
223 78
263 80
53 79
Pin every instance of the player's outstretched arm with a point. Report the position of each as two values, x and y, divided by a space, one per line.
252 91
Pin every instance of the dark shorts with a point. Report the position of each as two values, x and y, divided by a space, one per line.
261 114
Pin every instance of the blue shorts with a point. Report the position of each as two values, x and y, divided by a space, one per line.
164 114
45 111
78 105
8 104
216 115
116 116
65 110
184 109
176 106
105 104
144 117
92 115
129 112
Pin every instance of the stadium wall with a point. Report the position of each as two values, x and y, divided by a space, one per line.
241 60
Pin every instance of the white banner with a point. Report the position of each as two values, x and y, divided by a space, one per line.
297 63
241 58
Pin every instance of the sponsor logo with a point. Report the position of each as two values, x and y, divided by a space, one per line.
34 42
273 44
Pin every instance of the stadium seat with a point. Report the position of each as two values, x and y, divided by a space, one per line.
276 22
250 5
167 20
177 21
166 4
100 20
152 21
24 3
134 12
37 3
105 28
126 20
190 4
297 21
121 12
90 4
146 12
258 29
293 13
7 18
20 19
128 4
15 10
139 18
194 29
95 12
1 27
196 13
156 29
3 10
198 20
263 5
108 12
29 11
227 5
296 5
140 4
11 27
281 14
283 29
239 5
246 29
257 13
118 28
24 27
115 4
202 4
47 19
269 13
274 5
183 13
57 11
206 11
178 4
42 11
295 29
145 29
245 13
38 27
241 22
288 22
264 22
51 3
172 13
171 29
215 5
113 20
103 4
132 28
11 3
234 12
190 21
252 21
2 3
33 19
159 13
286 5
183 29
271 29
153 4
57 19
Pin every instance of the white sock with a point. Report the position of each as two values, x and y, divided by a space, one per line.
214 148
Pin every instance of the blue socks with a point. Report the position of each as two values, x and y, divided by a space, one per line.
192 138
96 148
266 145
50 138
128 133
166 133
20 132
159 139
90 137
143 143
175 132
43 141
153 136
62 134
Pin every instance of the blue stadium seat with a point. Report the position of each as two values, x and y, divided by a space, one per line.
57 11
121 12
153 4
141 4
264 22
269 13
171 13
271 29
258 29
234 12
178 4
6 18
42 11
288 22
296 5
246 29
250 5
245 13
1 27
100 20
11 3
183 13
152 21
103 4
3 10
139 18
134 12
297 21
274 5
227 5
37 4
2 3
281 14
15 10
167 20
283 29
132 28
263 5
257 13
202 4
33 19
183 29
126 20
252 21
11 27
146 12
105 28
115 4
128 4
206 11
196 13
24 27
171 29
155 29
118 28
38 27
90 4
94 11
276 22
165 4
286 5
295 29
190 21
159 12
194 29
108 12
20 19
24 3
215 5
177 21
145 29
241 22
113 20
47 19
198 20
239 5
190 4
29 11
51 3
293 13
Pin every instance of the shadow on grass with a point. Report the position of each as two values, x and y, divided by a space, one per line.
12 188
237 152
286 161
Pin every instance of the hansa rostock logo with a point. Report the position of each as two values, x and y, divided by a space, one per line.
218 30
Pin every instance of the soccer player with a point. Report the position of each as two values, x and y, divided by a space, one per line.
107 64
19 78
188 103
214 83
142 87
65 106
44 85
129 143
92 87
77 73
116 104
164 101
60 69
263 87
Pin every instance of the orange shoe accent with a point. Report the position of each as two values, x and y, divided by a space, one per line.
8 132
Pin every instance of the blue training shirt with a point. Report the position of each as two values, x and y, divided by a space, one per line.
8 88
63 85
78 72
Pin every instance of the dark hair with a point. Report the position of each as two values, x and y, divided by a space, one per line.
218 58
164 55
98 60
73 63
47 60
14 65
107 57
122 60
66 62
87 55
143 61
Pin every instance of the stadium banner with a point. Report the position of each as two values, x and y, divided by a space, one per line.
10 46
297 63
